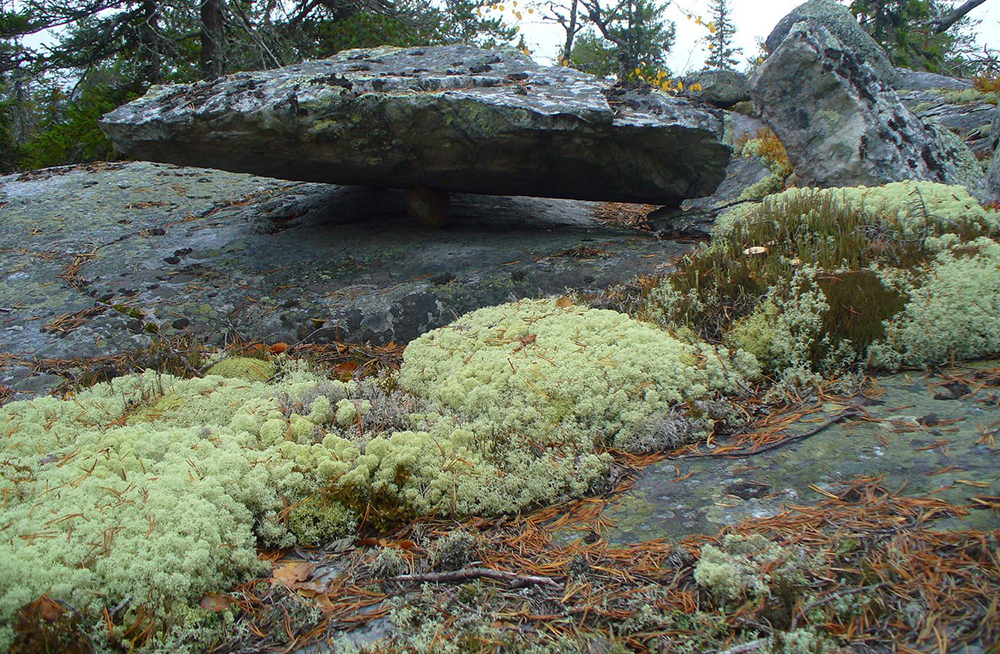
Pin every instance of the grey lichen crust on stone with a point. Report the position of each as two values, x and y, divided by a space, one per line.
451 117
839 22
841 124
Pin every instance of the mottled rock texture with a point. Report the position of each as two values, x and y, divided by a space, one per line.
103 259
450 117
722 88
842 125
839 21
951 103
991 182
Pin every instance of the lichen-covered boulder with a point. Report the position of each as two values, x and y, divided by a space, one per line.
722 88
991 182
842 125
952 103
454 118
839 22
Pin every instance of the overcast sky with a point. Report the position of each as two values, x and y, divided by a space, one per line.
753 19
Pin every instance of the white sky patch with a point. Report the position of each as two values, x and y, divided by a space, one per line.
752 19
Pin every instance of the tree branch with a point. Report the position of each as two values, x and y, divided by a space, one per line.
957 14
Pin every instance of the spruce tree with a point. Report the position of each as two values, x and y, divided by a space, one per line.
721 53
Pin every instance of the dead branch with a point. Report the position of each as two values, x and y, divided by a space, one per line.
465 574
944 23
849 413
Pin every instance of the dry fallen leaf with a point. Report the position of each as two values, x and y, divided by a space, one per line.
564 302
292 574
345 370
278 348
216 602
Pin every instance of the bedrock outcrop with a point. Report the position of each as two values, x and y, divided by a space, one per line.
842 125
103 259
455 118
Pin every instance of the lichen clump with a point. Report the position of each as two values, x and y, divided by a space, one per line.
553 374
161 489
825 281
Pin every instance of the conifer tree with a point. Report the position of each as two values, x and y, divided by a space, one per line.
721 53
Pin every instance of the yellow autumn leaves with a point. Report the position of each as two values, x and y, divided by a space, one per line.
661 80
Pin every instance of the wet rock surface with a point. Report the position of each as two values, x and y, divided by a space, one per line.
924 433
450 117
102 259
843 126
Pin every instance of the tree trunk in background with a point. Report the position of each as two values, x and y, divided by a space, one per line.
570 32
150 42
211 39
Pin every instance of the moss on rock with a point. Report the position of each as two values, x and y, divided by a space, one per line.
829 280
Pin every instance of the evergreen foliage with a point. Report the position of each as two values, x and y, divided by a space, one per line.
721 53
910 31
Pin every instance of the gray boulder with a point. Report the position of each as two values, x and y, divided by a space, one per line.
454 118
951 103
842 125
722 88
920 80
839 21
991 182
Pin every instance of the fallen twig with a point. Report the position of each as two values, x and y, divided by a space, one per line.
849 413
516 580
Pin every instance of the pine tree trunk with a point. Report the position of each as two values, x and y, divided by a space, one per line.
150 42
211 39
570 32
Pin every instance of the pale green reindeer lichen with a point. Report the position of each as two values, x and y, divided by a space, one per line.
161 488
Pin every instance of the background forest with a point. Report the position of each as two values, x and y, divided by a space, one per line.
98 54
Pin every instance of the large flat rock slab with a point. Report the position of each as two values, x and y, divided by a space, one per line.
450 117
103 259
926 435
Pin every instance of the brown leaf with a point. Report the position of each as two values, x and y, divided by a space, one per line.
291 574
345 370
405 544
46 608
564 302
216 602
278 348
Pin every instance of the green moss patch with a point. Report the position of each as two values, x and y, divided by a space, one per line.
826 280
